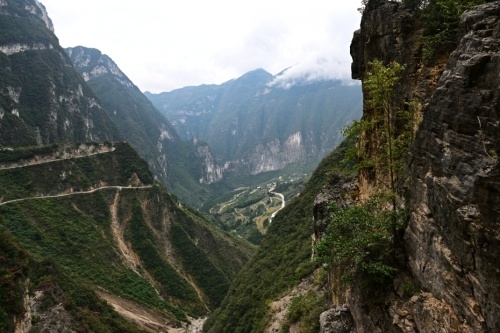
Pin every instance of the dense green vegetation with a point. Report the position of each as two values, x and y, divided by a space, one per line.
173 285
20 273
359 244
73 238
237 116
75 235
282 259
79 174
14 30
14 263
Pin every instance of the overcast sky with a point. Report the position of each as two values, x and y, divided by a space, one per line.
163 45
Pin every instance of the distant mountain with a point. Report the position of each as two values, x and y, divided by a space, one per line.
185 167
42 98
255 127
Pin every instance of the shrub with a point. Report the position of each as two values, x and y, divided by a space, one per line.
441 20
304 310
359 240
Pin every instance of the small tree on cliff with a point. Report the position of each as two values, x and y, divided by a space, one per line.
379 84
392 143
359 244
387 124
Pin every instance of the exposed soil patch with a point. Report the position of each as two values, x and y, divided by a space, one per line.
145 318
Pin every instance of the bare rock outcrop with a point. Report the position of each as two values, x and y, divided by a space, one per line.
338 320
453 239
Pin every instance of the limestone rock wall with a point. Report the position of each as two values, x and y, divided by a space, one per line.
453 238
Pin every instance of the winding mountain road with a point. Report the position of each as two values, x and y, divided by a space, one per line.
44 161
282 205
75 193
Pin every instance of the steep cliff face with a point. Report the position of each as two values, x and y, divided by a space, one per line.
453 237
141 124
257 127
454 234
391 32
42 99
182 166
212 172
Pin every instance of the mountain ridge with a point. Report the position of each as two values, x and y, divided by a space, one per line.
185 167
254 127
42 97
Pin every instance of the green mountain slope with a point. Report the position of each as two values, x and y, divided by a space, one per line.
42 99
185 167
281 261
257 127
95 213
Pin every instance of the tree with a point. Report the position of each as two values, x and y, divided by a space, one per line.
391 130
441 21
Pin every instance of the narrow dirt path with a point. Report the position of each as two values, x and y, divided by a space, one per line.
44 161
74 193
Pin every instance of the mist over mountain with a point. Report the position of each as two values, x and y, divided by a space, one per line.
254 124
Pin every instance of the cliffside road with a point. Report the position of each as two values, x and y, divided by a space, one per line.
76 193
43 161
282 205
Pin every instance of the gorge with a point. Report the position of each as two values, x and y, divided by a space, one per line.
396 230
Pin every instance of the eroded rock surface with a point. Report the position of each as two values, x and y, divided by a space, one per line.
453 238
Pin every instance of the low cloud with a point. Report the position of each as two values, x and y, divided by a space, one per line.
315 68
174 44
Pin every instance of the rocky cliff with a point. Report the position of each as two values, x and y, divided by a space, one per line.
184 167
452 240
42 99
445 259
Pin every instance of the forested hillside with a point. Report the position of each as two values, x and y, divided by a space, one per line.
97 216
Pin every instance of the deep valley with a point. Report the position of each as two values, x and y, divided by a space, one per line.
322 206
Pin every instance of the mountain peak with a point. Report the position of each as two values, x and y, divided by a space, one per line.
27 8
93 63
258 74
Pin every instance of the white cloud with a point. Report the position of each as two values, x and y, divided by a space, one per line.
163 45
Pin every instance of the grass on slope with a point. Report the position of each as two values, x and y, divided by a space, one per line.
281 262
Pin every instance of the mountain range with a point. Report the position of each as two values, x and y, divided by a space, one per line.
185 167
85 227
253 126
396 230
